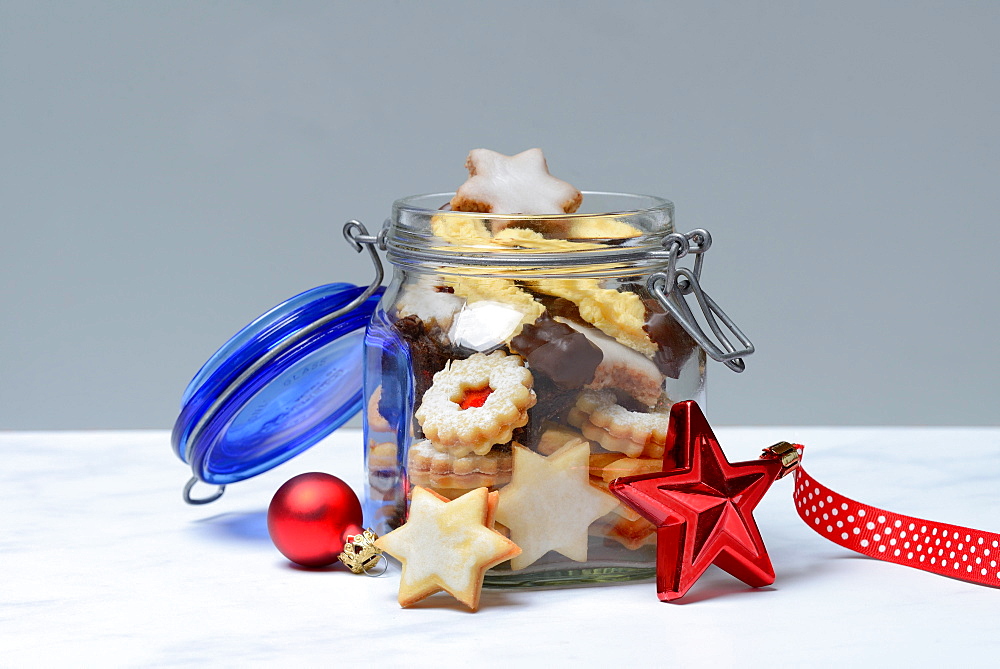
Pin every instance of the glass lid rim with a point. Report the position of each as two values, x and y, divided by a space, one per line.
660 204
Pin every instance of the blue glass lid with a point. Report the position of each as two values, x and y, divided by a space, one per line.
281 384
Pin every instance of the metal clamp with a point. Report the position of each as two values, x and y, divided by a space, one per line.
672 287
201 500
357 236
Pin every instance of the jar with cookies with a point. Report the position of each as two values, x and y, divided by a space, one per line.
531 341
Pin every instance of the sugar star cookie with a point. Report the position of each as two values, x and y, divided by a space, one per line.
447 546
550 504
519 184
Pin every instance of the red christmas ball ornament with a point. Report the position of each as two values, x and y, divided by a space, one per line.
311 516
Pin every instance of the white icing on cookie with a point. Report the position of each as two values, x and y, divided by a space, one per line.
519 184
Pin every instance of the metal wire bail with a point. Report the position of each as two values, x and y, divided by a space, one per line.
672 286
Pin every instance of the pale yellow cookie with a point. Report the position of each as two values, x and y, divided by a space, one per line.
382 455
621 510
430 467
632 534
447 545
477 428
376 421
621 315
555 437
600 418
549 503
601 227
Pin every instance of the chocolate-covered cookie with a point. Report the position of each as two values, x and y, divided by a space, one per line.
557 351
674 344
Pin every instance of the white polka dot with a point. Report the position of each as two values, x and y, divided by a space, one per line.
844 506
870 525
844 535
840 523
909 556
821 504
980 541
898 523
850 519
829 528
881 549
829 499
834 511
881 519
968 537
923 529
877 537
856 530
896 552
912 527
862 513
864 543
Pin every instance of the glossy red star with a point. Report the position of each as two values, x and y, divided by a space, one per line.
702 507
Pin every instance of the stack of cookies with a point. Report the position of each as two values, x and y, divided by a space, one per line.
544 362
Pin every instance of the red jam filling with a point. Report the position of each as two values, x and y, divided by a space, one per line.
475 398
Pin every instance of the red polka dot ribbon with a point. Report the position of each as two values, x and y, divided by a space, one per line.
940 548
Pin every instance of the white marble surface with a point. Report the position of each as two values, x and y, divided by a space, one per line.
103 564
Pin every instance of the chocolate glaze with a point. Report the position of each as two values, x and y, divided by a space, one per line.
675 346
553 405
557 351
427 355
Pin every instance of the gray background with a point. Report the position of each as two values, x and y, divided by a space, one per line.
170 170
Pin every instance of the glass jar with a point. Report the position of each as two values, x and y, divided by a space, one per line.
502 332
537 356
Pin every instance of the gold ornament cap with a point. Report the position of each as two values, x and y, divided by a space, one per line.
360 552
784 452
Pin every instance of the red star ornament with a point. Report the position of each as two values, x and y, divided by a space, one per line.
702 507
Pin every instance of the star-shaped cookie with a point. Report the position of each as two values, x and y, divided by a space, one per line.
519 184
549 503
447 545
